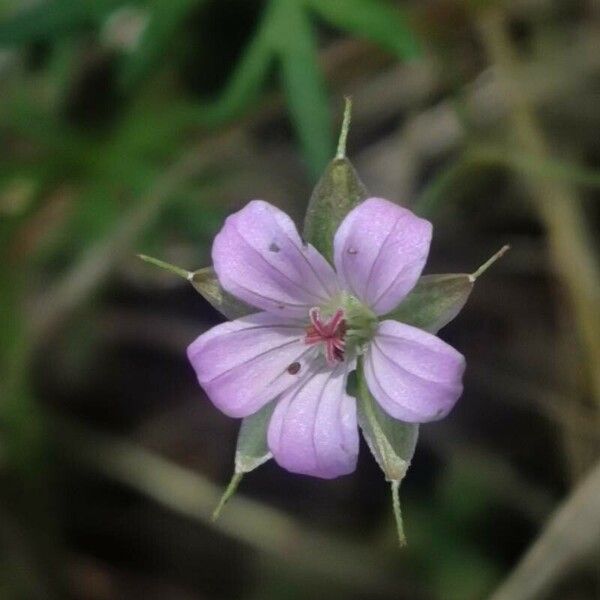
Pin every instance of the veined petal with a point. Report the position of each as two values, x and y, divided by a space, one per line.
313 430
243 364
260 258
414 375
380 250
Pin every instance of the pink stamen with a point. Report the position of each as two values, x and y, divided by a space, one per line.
331 333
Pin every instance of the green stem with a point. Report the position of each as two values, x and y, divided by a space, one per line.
229 491
166 266
341 148
489 262
395 485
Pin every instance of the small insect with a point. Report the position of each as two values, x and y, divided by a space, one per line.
293 368
274 247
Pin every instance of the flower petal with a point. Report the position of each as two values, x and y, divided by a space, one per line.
260 258
414 375
313 430
243 364
380 250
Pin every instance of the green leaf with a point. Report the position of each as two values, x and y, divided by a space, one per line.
374 20
338 191
434 301
206 283
166 16
391 442
248 78
304 84
47 20
251 451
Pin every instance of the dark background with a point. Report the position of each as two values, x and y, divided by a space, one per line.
137 127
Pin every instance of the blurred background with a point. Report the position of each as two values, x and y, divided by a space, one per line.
136 126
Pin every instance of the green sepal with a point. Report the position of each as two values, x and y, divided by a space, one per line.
437 299
206 283
391 442
338 191
434 301
251 451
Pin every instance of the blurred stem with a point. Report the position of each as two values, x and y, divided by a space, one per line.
190 494
571 536
479 156
569 238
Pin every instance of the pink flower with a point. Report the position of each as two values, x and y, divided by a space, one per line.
314 322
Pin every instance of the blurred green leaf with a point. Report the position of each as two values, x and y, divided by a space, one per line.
46 20
249 76
304 84
338 191
391 442
373 20
434 301
166 16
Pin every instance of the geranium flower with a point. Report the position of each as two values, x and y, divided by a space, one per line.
313 324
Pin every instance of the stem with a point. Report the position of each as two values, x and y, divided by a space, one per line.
166 266
229 491
395 485
341 149
489 262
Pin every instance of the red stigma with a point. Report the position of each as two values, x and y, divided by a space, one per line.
331 333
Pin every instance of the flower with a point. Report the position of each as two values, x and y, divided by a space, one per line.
313 325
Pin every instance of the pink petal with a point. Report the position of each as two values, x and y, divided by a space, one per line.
260 258
243 364
415 376
380 250
313 430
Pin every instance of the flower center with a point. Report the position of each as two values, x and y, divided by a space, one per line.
346 332
331 333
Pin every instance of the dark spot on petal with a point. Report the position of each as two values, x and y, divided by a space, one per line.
281 306
274 247
352 251
293 368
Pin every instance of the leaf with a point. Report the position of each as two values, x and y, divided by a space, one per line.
248 78
251 451
391 442
165 18
47 20
304 84
373 20
338 191
434 301
205 282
